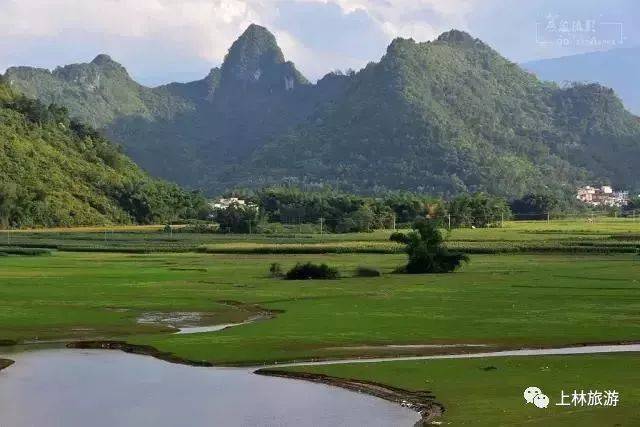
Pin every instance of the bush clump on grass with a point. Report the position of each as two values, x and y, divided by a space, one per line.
368 272
398 237
25 251
275 270
310 271
426 251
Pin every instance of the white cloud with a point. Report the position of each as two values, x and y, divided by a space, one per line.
204 27
405 18
199 29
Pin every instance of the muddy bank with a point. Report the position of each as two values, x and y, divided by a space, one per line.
7 343
5 363
145 350
422 402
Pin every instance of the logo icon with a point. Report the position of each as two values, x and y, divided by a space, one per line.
534 395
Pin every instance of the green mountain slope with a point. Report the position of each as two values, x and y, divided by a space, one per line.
615 68
96 93
57 172
445 116
453 115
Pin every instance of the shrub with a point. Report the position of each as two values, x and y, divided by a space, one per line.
427 253
310 271
398 237
368 272
276 270
25 251
197 228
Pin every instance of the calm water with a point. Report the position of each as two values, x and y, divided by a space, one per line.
69 388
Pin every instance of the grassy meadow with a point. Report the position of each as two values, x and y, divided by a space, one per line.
562 285
489 391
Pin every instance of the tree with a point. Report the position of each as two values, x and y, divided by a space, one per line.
477 210
8 203
426 252
535 206
237 218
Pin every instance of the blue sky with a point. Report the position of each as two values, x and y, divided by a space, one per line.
180 40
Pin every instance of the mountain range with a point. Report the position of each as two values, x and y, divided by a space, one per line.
447 116
616 68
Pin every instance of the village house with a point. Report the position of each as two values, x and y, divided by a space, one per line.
222 204
602 196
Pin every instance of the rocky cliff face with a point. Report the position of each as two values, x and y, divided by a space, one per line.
255 61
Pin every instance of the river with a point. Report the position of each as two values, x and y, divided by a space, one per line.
77 388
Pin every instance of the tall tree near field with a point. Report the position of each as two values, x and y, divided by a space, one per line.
426 251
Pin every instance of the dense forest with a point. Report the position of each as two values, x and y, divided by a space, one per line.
55 171
445 117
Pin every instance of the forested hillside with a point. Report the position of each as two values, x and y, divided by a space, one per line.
452 116
57 172
442 117
615 68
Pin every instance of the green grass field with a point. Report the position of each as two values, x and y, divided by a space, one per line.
500 300
475 394
605 235
503 300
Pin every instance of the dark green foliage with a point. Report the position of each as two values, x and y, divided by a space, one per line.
368 272
24 251
634 203
310 271
275 269
197 227
427 253
56 172
477 210
336 211
535 206
399 237
238 219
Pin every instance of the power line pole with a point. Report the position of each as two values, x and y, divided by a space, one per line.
321 225
394 222
548 218
449 216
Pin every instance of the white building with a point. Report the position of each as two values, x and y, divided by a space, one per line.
225 203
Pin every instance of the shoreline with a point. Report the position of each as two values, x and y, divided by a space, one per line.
147 350
143 350
422 402
5 363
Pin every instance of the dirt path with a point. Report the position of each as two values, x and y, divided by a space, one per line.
577 349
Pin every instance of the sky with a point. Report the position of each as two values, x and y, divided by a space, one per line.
160 41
